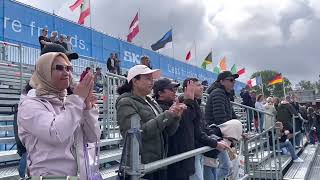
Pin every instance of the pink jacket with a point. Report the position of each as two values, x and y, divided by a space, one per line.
48 129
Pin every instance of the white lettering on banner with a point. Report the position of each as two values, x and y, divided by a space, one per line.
32 27
171 68
177 71
131 57
16 26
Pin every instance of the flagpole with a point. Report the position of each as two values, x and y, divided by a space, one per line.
172 42
91 27
195 52
262 88
284 89
139 19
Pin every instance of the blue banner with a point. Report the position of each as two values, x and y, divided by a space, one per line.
22 24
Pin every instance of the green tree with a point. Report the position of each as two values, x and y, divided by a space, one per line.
307 85
275 90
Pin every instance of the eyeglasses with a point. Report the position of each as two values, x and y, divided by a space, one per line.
231 79
60 67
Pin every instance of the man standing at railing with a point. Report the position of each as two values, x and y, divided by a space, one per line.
219 110
189 131
247 101
285 114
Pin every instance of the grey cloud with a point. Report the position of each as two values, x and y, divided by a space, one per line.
261 41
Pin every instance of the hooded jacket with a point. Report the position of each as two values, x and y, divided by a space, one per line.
218 108
55 136
155 128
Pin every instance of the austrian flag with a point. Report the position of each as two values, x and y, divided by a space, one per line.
84 9
134 28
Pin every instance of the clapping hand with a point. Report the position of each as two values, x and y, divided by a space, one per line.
189 90
177 108
91 100
85 86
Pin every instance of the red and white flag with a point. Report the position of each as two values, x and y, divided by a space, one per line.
84 9
75 5
134 28
188 57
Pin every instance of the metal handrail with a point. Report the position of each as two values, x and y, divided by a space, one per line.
251 108
173 159
10 44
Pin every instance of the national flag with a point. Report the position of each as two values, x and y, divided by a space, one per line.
75 5
84 11
207 60
188 57
134 28
234 69
216 70
223 64
241 71
277 79
255 81
165 41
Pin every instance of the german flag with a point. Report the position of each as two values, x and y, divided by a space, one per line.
277 79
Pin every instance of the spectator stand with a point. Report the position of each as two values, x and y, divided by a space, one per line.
261 161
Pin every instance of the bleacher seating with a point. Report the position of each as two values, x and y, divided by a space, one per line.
110 144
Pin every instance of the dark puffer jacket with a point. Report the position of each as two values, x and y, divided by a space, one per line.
218 108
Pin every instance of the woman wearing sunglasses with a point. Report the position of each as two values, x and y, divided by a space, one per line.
55 127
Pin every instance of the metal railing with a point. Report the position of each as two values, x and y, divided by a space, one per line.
258 151
17 53
111 83
262 159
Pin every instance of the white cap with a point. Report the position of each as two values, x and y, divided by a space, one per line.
142 69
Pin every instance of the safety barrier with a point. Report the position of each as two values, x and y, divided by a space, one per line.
111 82
262 158
17 53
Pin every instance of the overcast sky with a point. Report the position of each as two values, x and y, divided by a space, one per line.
281 35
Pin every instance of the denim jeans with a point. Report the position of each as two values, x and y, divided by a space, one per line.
312 136
22 165
224 169
225 165
290 148
198 164
249 119
209 173
299 138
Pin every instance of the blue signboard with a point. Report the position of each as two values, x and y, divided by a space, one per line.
22 24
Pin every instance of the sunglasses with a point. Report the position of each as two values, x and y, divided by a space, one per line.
60 67
230 79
